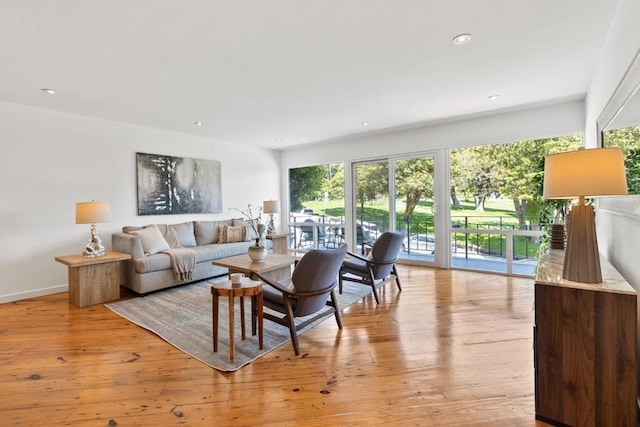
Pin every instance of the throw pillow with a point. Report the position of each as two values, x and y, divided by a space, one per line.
152 240
184 233
169 235
245 223
230 234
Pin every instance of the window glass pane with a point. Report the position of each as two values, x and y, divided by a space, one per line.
499 187
316 206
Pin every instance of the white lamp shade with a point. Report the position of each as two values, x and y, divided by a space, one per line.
270 206
92 212
588 173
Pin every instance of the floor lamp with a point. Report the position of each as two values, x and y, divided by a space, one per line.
579 174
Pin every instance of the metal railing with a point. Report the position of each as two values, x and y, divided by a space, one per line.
468 237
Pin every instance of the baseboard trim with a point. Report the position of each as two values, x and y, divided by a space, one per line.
33 293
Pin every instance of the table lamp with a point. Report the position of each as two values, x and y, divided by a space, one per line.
579 174
92 213
271 207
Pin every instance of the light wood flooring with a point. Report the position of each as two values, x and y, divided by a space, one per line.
453 348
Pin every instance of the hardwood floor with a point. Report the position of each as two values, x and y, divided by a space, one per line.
453 348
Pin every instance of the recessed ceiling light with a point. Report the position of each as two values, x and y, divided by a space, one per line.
494 97
364 123
461 39
198 123
50 91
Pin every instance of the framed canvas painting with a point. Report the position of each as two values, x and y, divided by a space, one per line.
170 185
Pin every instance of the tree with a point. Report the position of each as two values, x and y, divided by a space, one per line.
414 181
305 184
372 180
475 173
334 184
522 162
629 140
506 170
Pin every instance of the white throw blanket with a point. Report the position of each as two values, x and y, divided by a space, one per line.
183 261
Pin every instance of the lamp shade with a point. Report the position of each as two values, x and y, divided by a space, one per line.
92 212
270 206
587 173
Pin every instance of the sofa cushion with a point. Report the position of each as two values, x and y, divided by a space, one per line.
184 233
230 234
206 232
206 253
155 262
152 240
217 250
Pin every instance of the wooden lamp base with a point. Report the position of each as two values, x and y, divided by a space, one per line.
582 258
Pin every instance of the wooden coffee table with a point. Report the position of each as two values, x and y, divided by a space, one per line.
274 266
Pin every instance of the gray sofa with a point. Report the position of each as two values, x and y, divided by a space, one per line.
150 268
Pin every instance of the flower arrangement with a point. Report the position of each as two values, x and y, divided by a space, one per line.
254 220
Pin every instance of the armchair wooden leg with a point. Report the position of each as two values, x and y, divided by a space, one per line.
375 292
336 309
372 281
292 327
340 282
395 273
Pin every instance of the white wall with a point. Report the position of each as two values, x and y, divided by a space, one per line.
617 219
53 160
532 123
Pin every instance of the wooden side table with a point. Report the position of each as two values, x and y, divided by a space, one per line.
248 287
93 280
280 242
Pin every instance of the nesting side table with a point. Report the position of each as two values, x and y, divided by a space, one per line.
248 288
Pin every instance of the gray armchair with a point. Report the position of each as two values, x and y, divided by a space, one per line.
309 290
380 263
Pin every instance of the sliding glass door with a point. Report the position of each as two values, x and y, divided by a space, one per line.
397 194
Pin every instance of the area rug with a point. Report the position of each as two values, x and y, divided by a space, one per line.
182 317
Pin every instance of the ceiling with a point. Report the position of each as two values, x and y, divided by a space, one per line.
281 73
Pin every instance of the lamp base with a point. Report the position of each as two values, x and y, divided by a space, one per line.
581 258
271 227
94 248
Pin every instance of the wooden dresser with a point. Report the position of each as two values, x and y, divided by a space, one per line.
585 347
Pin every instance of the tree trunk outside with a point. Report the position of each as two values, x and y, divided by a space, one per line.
522 222
454 198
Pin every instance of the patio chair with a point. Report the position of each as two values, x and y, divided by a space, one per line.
306 234
363 238
375 268
307 293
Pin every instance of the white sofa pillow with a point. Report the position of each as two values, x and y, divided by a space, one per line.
152 240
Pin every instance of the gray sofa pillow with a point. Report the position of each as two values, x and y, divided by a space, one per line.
184 233
206 232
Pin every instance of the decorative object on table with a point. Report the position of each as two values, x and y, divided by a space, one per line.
271 207
557 236
584 173
177 185
93 213
236 278
257 252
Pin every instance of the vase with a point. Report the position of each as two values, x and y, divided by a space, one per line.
257 252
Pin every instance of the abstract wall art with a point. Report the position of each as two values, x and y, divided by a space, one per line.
170 185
